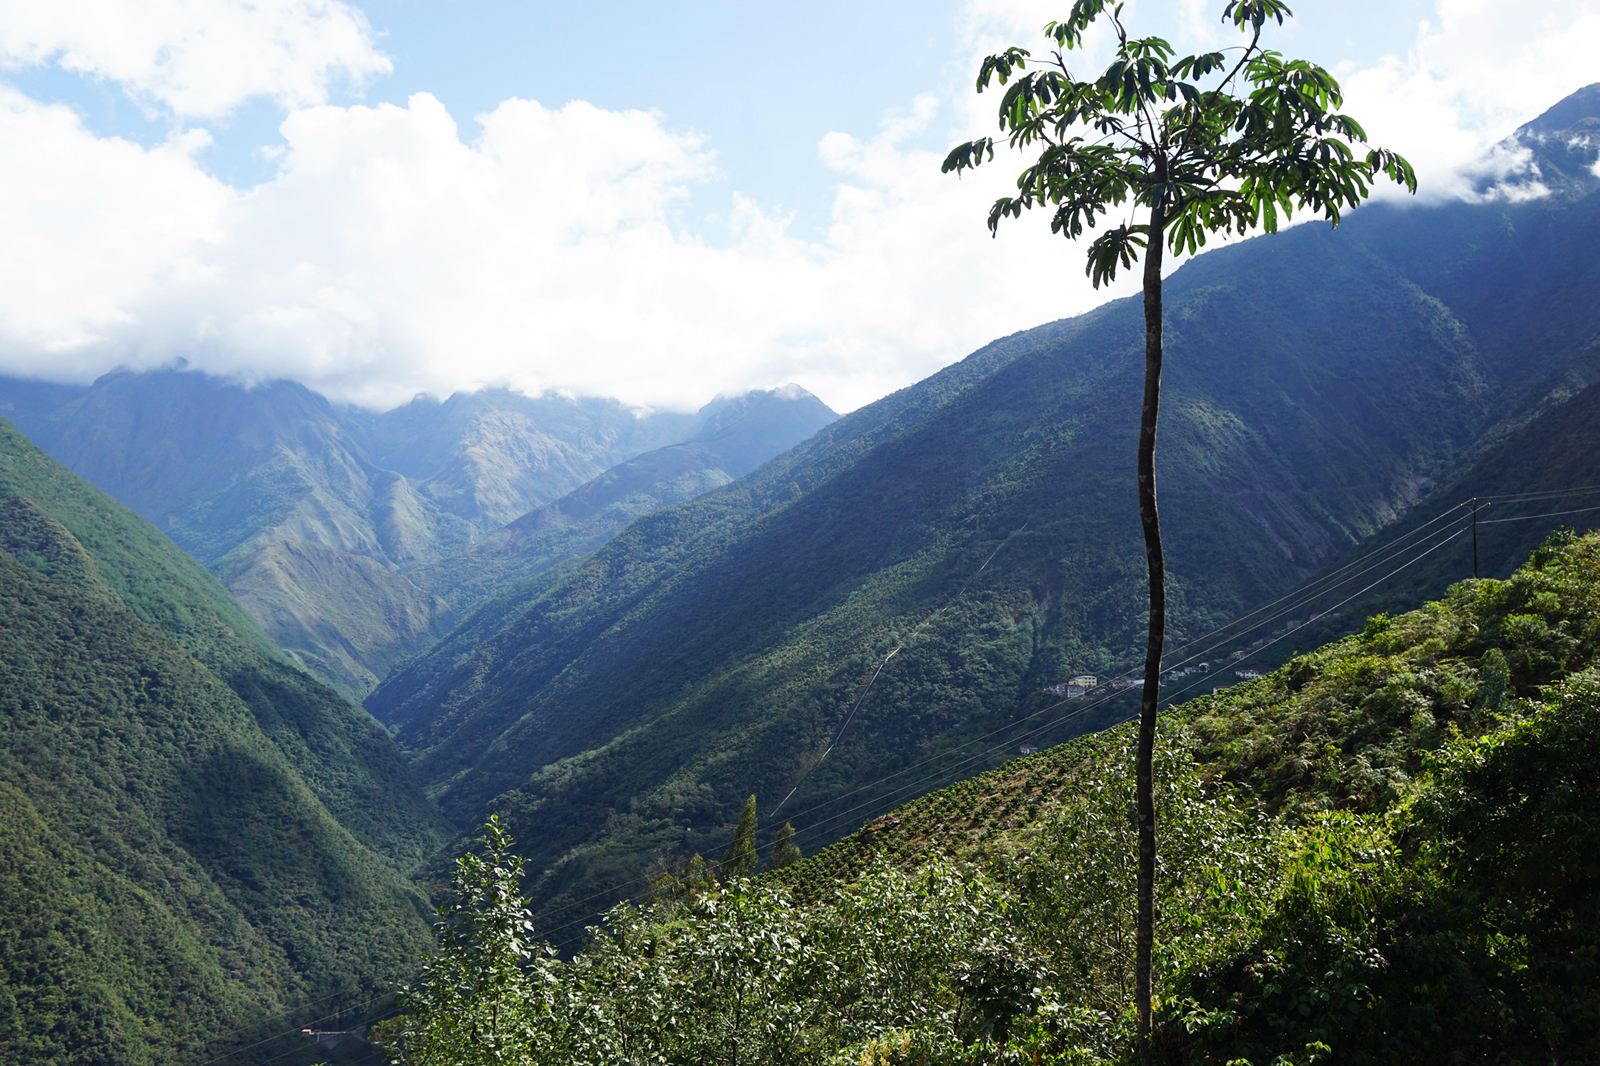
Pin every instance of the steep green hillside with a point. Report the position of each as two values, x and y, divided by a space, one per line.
1384 853
1536 478
199 836
1350 725
1431 777
922 570
231 474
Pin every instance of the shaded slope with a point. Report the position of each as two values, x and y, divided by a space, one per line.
1540 477
202 835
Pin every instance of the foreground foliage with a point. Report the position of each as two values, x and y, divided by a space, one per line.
1387 851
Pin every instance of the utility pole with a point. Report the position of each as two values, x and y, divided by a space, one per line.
1474 536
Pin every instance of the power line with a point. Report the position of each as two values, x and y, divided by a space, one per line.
1531 517
1541 494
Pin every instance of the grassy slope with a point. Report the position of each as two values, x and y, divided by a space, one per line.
203 834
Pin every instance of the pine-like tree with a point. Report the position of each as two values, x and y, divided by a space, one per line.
740 858
785 852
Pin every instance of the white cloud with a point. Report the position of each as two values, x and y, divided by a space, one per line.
390 256
90 225
1478 69
554 248
197 58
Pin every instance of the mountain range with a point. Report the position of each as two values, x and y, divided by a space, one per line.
922 570
317 517
610 628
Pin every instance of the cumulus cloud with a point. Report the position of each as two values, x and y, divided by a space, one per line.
91 225
396 251
1478 69
390 255
198 58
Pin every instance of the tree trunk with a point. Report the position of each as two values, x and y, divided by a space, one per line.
1144 933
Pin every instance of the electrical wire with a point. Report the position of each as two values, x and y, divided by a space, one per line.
1531 517
1541 494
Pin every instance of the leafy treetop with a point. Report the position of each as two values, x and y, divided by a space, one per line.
1205 143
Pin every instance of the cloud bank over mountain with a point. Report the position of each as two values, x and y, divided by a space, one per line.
396 250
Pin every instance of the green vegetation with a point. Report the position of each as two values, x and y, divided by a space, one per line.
714 649
1537 477
196 836
1383 852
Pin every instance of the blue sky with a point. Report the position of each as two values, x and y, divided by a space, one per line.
663 202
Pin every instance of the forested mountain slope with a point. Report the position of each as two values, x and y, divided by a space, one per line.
1383 853
972 540
314 515
197 835
1539 477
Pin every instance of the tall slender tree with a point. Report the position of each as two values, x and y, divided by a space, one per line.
1228 141
740 858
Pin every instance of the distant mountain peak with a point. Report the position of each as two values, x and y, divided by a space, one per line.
1556 154
1577 112
788 402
